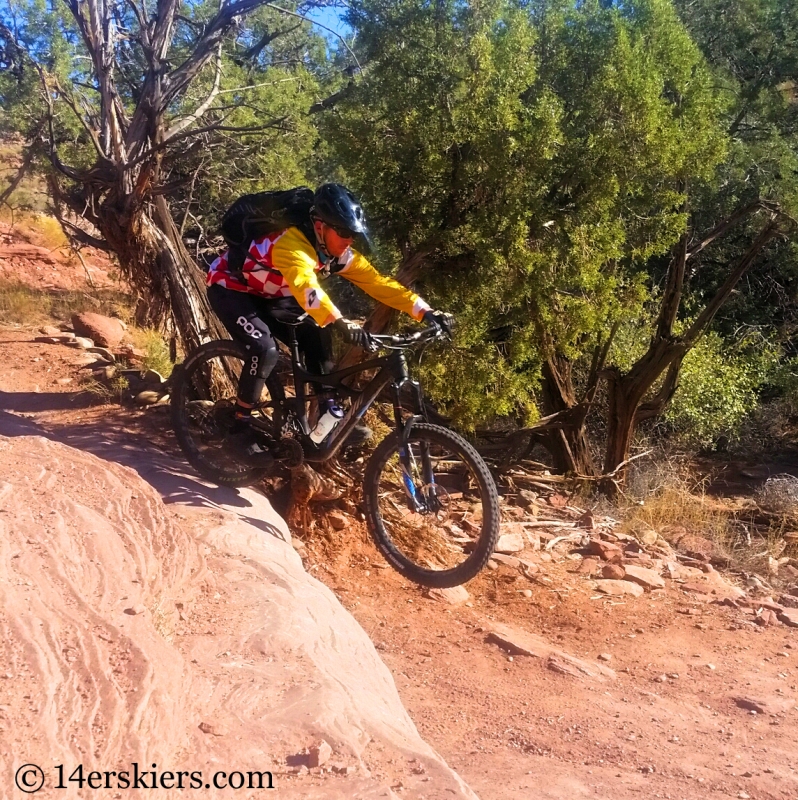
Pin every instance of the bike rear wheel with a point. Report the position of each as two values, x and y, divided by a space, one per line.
203 411
431 505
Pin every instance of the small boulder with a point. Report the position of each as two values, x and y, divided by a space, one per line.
614 572
319 754
105 331
147 398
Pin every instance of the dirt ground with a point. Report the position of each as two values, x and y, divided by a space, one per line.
667 725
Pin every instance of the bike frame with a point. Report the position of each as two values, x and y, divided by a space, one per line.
392 371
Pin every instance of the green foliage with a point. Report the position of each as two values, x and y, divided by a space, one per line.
752 48
534 155
719 387
719 384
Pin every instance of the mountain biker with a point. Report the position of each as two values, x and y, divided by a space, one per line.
279 283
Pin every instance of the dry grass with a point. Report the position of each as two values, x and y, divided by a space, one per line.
23 305
742 535
110 392
155 347
680 504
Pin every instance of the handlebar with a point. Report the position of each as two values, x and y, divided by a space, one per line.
393 342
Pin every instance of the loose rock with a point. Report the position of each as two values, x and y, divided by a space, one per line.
604 550
104 352
510 543
592 565
520 643
614 572
337 519
319 754
766 617
647 578
453 596
613 587
80 342
212 728
508 561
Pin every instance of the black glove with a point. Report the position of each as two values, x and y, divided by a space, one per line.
352 333
439 319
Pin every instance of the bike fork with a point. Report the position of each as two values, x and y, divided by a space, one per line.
423 498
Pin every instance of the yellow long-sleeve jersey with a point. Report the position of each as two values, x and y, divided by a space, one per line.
285 263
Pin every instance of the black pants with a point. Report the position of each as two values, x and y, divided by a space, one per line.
256 322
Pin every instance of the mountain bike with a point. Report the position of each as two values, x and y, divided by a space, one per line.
430 502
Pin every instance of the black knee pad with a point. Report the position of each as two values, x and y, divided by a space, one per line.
260 363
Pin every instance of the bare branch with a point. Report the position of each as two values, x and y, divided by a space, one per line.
265 41
727 224
92 132
182 124
334 98
314 22
23 167
770 231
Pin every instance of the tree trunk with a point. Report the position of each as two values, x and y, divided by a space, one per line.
568 444
172 285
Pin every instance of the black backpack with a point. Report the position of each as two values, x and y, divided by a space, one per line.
254 216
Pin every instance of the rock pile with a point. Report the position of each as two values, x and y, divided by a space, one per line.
614 562
105 356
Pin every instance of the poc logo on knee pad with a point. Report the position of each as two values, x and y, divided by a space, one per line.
253 365
249 328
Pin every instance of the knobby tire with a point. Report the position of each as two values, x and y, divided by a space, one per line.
184 393
376 481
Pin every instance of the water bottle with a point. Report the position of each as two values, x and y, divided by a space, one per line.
326 423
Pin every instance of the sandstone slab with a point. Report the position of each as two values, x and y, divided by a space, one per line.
789 617
520 642
238 656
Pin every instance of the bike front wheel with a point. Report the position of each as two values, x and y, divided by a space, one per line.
203 412
431 505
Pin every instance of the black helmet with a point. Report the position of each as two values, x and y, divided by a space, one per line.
337 207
